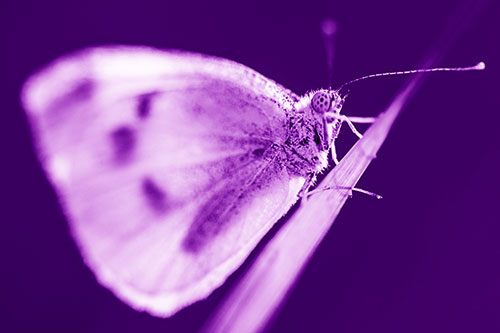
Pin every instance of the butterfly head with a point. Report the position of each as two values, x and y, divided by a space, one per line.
328 101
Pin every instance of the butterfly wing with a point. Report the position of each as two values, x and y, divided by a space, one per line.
167 165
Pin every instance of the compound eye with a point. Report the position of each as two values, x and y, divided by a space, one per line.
321 102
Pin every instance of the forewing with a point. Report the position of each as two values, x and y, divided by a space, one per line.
167 165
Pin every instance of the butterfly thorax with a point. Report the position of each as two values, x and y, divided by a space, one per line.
307 144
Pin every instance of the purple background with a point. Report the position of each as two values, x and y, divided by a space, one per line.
424 259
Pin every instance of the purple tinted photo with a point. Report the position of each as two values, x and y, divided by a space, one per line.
165 170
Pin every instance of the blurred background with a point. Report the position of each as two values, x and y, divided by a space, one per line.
423 259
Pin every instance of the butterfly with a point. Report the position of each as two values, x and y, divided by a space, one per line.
171 166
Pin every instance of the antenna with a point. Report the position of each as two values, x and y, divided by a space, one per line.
478 67
328 31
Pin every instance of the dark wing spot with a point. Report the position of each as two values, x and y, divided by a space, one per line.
155 196
258 152
80 91
123 140
83 90
144 105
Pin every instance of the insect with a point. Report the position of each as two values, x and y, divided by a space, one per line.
171 166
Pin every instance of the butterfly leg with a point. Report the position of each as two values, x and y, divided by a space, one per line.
304 191
334 153
352 127
351 120
362 120
351 189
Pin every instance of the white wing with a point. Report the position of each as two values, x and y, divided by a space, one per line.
165 164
